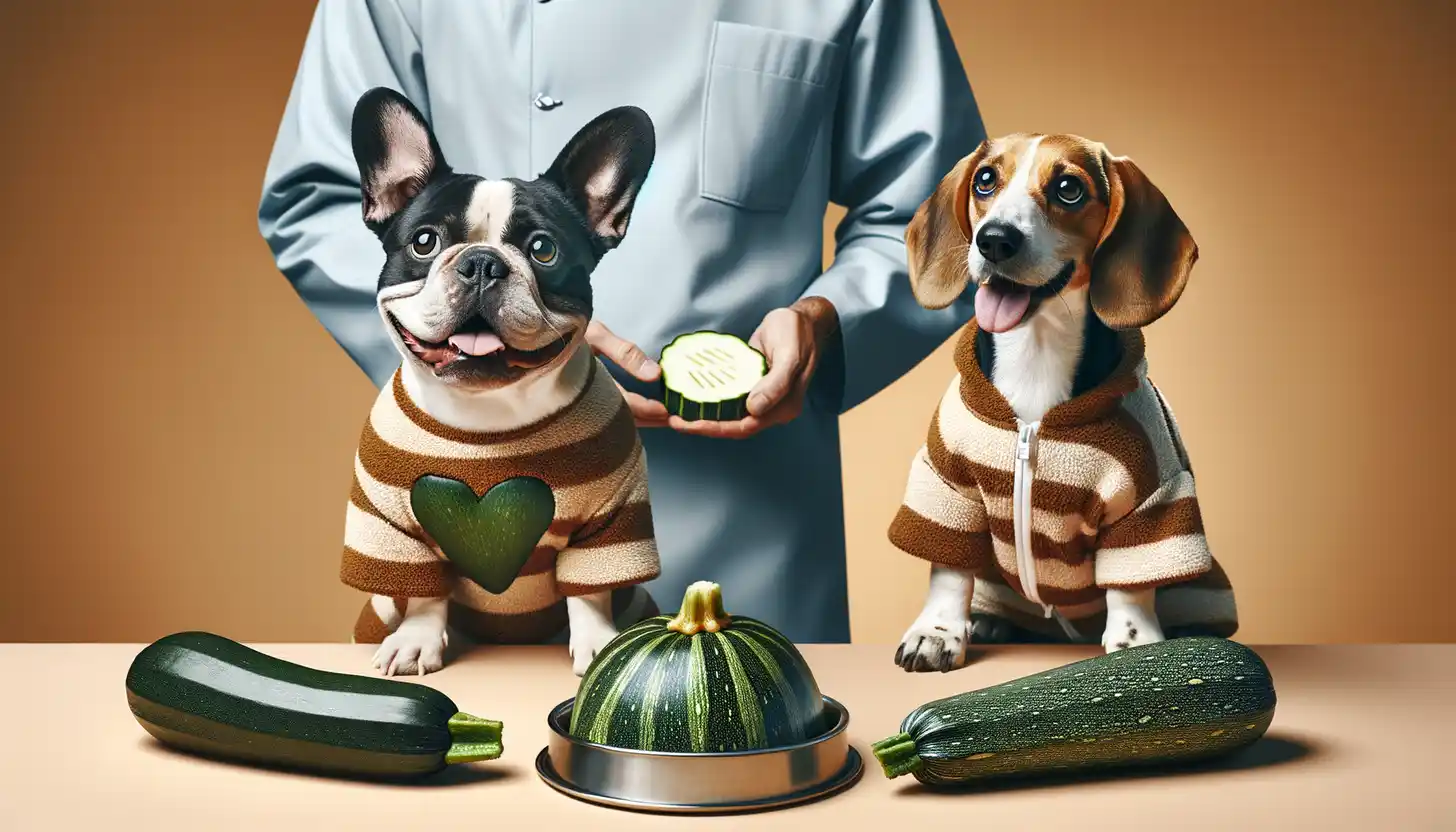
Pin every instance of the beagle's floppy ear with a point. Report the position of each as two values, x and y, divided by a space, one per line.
1143 258
937 237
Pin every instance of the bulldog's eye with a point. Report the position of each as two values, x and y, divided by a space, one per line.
985 181
1069 190
426 244
542 249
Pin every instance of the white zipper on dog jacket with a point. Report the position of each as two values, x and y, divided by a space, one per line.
1022 478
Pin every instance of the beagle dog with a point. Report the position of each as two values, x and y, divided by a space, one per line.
1072 251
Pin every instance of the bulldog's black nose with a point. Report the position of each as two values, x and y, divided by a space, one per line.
479 265
999 241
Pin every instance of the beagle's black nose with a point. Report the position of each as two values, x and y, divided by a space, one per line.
480 265
998 241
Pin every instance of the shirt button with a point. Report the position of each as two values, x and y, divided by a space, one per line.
545 102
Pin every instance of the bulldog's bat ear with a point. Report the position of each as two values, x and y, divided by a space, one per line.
603 167
396 152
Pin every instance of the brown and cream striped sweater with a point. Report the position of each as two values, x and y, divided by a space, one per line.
590 455
1111 500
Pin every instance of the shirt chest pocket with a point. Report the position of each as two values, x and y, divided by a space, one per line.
766 96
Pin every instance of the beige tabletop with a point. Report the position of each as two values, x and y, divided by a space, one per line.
1362 739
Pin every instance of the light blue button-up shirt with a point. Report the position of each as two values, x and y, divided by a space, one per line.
765 111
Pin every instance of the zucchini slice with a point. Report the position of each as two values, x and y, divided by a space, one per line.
208 695
708 375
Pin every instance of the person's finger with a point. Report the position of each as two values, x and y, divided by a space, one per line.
740 429
781 348
621 352
787 411
756 339
647 412
711 430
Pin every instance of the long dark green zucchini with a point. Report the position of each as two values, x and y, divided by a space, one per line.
1174 701
209 695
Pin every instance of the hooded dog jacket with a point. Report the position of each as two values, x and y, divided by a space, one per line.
1097 495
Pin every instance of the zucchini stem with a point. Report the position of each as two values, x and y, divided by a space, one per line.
702 610
473 738
897 755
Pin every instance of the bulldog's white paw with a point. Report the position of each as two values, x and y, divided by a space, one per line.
935 642
417 648
586 642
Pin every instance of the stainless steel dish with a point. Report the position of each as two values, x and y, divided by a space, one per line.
682 783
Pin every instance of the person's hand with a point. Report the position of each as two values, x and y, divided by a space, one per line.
791 339
649 413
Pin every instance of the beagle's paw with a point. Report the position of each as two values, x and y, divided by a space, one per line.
416 648
586 642
992 629
1131 620
934 643
1126 631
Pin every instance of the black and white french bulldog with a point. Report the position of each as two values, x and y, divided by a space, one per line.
487 283
486 292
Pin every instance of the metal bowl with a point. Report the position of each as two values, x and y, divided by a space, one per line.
686 783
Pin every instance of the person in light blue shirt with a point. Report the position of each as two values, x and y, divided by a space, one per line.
765 113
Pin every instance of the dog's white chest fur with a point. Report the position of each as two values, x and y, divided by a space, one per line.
1036 363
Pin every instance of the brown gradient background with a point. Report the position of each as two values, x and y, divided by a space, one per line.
178 428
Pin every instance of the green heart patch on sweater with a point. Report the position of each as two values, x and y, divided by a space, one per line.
487 538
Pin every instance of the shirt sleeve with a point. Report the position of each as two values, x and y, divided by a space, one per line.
940 522
310 211
1160 542
617 547
905 116
385 553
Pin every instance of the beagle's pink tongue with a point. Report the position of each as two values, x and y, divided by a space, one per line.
1000 305
477 343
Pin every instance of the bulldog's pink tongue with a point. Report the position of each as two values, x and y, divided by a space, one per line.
477 343
1000 305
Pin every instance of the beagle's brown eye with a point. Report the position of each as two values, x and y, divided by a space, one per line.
986 181
543 249
1069 190
426 244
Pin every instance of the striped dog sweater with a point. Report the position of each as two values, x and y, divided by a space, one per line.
1048 516
601 537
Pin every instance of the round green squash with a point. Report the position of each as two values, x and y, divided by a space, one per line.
702 681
